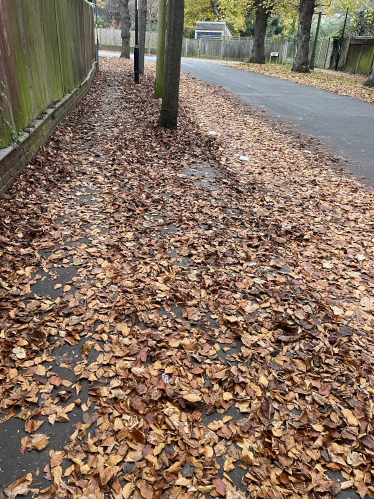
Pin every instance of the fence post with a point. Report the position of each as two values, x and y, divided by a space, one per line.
285 51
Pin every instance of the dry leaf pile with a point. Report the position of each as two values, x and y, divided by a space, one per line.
208 319
341 84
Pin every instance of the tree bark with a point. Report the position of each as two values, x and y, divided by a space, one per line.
174 39
262 16
142 32
301 62
125 28
370 81
214 4
160 62
149 34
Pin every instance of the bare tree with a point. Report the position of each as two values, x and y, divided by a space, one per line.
142 32
109 11
301 62
152 10
125 28
263 12
174 39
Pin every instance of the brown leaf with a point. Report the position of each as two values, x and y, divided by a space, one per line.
57 459
39 441
146 490
138 436
31 425
220 486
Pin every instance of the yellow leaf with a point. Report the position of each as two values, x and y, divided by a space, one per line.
114 459
318 427
174 468
57 472
228 464
68 408
246 457
127 490
192 397
264 381
158 449
40 441
349 416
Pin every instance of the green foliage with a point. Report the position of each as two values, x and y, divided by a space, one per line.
329 27
283 23
109 13
231 11
103 23
276 26
249 25
198 10
362 24
189 32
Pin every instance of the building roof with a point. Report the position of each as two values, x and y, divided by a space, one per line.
212 26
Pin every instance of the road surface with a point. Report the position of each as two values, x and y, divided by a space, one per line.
344 124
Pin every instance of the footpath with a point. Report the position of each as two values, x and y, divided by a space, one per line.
185 314
338 82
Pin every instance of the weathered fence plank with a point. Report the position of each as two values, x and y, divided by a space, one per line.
46 50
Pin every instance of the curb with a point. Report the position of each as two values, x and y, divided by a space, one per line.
15 157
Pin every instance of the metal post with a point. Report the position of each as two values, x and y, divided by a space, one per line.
313 58
341 42
136 48
97 40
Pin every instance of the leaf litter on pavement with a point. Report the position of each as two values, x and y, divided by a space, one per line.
196 325
347 84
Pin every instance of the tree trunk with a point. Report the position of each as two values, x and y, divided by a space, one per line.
125 28
149 35
301 62
262 16
174 39
160 62
142 32
214 4
370 81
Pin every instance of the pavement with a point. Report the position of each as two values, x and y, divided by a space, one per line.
81 224
344 124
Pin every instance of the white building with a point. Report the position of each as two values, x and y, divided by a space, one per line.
212 30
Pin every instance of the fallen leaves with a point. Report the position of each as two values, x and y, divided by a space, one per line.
350 85
215 331
19 487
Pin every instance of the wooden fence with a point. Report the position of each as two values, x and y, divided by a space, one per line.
356 54
46 50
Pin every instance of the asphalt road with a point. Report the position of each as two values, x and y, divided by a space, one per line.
344 124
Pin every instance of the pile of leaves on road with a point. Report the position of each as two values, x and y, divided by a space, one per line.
341 84
217 322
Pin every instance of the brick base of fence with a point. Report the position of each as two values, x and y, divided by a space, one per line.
14 158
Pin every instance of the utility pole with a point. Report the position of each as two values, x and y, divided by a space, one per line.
161 37
313 57
136 48
341 42
97 40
